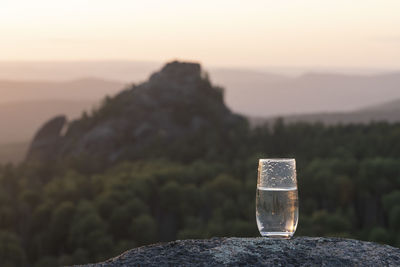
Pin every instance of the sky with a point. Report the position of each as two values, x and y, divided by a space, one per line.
340 33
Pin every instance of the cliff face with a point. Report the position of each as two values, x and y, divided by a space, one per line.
299 251
176 107
47 139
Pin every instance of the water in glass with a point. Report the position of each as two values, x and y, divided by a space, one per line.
277 198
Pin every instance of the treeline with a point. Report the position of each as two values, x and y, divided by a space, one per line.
349 186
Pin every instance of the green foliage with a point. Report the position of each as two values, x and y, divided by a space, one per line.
348 175
379 234
324 223
144 229
11 252
391 200
394 218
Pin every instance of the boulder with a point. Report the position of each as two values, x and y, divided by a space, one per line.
47 139
299 251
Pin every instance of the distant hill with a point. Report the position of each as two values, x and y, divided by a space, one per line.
19 121
391 106
126 71
29 116
310 93
389 112
251 92
25 104
77 90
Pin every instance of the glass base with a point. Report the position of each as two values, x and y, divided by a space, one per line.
277 235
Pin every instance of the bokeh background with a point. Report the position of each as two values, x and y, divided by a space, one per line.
125 123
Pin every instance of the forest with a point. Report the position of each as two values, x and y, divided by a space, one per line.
63 214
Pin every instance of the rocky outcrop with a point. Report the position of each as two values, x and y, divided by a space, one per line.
299 251
166 113
47 139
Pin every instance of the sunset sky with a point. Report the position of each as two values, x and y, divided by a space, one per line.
359 33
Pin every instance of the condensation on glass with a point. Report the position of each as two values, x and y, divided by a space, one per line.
277 208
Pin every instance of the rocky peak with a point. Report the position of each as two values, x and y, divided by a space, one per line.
181 78
179 72
47 139
174 107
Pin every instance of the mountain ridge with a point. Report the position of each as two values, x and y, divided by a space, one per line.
243 89
383 112
78 89
176 106
19 121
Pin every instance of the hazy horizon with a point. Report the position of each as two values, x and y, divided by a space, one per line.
134 71
30 103
272 58
244 87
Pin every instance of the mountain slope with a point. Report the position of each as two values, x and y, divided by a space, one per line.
388 112
391 106
176 112
311 93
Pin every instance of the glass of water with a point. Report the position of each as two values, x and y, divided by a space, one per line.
277 208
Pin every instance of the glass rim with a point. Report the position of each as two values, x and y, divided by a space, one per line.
276 159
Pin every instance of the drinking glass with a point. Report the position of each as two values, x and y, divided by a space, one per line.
277 208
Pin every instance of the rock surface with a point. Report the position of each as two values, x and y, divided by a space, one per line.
176 106
299 251
47 139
